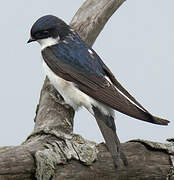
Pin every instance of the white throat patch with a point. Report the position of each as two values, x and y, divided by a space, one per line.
48 42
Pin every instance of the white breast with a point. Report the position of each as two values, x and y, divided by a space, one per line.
72 95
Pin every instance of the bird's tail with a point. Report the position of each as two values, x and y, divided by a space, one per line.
108 129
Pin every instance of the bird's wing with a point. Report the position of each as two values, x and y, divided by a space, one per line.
88 75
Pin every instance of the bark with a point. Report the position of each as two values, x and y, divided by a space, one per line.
52 151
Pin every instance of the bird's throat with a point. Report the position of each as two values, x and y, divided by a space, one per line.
47 42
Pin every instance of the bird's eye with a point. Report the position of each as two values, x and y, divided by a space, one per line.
42 34
45 32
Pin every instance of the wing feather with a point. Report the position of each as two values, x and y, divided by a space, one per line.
96 86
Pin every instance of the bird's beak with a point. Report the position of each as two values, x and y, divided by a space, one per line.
31 40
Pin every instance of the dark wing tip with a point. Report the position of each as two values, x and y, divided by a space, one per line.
161 121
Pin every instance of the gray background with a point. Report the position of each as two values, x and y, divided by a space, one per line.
137 44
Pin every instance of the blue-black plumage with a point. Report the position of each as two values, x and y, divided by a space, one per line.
82 78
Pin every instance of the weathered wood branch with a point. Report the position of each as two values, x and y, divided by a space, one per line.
52 151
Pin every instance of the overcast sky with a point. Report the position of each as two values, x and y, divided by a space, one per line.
137 44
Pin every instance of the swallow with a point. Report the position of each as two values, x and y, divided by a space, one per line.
82 78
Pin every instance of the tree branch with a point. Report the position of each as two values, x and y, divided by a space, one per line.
52 151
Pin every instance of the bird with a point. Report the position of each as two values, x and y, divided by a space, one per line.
83 80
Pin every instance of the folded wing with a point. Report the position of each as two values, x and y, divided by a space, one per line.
96 85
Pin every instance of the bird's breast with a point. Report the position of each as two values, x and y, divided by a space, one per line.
72 95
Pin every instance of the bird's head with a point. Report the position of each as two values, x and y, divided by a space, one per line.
48 30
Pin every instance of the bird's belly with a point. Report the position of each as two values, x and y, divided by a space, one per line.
72 95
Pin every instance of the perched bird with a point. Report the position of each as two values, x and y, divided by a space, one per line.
82 78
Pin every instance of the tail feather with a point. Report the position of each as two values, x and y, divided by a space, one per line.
107 127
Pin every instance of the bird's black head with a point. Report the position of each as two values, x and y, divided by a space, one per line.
49 26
